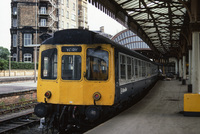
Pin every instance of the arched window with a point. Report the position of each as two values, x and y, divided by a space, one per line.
27 57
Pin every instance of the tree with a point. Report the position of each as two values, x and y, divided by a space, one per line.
4 53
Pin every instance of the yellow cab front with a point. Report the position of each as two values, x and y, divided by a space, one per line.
76 74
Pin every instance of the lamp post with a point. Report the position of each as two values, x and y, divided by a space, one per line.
35 79
35 61
9 64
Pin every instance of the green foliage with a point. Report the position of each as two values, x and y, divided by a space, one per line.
22 65
4 65
4 53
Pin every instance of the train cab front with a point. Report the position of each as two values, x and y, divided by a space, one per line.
75 80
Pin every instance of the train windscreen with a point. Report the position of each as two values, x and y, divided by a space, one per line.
71 67
49 64
97 64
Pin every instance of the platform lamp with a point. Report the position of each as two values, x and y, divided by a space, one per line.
35 47
9 63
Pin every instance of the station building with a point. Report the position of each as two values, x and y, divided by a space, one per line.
33 21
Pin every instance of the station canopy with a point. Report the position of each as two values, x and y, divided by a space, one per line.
159 23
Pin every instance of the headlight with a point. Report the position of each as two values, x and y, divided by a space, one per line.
96 96
48 94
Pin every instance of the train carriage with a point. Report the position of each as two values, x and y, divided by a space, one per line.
82 74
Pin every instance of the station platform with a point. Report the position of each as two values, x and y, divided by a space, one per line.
15 87
159 112
15 79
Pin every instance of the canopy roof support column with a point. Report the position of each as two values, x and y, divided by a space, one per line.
196 62
192 100
176 66
190 71
180 70
184 71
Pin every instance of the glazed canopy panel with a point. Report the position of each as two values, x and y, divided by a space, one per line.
159 23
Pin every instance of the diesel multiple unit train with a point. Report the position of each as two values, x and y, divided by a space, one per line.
83 75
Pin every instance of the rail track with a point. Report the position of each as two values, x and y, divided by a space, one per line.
10 108
17 121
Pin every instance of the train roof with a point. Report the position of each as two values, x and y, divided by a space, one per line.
82 36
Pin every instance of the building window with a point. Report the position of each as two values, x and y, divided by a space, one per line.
73 17
73 26
27 39
14 40
14 22
79 12
67 25
43 10
14 10
67 15
43 22
62 25
14 57
67 3
74 6
28 57
62 12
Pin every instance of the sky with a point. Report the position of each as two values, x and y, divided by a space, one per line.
96 19
5 23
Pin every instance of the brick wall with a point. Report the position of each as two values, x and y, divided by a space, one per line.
27 17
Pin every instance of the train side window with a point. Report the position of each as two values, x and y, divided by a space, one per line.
143 69
97 64
71 67
140 68
129 66
133 69
49 64
136 69
122 67
149 70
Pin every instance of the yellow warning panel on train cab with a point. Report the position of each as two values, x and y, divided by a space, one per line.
191 102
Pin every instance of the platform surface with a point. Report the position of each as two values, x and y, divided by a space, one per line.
157 113
17 87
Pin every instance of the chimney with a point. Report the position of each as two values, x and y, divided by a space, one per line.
102 29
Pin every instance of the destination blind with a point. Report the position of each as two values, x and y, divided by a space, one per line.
72 49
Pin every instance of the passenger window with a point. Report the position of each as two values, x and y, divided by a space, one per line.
149 69
71 67
136 68
140 68
97 64
122 67
143 69
129 67
133 68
